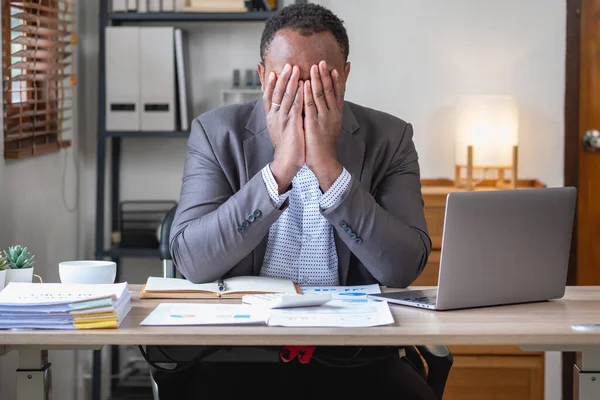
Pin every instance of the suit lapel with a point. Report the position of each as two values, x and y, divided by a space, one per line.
351 153
258 152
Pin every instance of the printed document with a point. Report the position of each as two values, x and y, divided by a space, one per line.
348 294
175 314
336 313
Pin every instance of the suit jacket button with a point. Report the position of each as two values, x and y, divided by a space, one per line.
257 213
353 236
358 240
343 224
241 229
348 230
246 224
251 217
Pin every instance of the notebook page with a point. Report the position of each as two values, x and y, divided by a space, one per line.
156 284
260 284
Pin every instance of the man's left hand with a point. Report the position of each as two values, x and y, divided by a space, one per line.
323 108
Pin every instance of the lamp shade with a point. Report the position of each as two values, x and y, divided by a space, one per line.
490 125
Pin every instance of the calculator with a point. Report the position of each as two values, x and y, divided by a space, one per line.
286 300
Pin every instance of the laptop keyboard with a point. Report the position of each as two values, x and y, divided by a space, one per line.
429 300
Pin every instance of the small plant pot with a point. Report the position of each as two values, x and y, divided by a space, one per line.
3 278
19 275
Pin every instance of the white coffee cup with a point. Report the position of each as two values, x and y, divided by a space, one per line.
85 271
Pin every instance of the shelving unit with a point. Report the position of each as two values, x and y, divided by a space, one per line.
112 139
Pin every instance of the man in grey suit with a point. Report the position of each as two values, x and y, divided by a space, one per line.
307 186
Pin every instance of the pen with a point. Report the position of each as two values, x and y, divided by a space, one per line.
221 285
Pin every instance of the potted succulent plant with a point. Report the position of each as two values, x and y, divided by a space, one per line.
3 269
20 264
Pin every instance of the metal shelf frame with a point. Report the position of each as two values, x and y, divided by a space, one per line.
113 139
190 16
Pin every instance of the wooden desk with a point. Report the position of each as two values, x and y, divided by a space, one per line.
533 327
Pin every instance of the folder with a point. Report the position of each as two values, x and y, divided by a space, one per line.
131 5
119 5
168 5
142 6
157 76
122 78
179 5
184 108
154 5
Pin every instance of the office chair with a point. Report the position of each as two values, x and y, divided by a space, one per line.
435 368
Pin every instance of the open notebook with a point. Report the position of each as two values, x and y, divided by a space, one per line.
236 287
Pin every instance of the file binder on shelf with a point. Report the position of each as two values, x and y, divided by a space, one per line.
122 78
168 5
154 5
142 6
131 5
157 75
119 6
184 98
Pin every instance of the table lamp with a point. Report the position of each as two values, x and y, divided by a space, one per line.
486 139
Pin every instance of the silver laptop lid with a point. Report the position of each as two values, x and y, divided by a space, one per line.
505 246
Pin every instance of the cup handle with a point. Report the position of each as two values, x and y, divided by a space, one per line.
39 277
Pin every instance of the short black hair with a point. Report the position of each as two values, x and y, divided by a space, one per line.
306 18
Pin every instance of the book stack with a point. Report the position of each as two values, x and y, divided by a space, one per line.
63 306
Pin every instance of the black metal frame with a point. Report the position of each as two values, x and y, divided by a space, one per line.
101 252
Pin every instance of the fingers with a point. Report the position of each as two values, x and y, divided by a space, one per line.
310 108
290 90
338 88
296 109
280 86
327 83
317 89
268 94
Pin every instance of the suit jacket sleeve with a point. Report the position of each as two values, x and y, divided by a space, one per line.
215 228
387 232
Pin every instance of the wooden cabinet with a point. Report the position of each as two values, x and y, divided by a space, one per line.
479 372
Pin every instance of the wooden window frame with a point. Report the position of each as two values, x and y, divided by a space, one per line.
46 134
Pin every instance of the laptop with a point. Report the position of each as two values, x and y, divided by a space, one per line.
500 247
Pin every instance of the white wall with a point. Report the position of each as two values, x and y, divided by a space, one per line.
411 58
38 200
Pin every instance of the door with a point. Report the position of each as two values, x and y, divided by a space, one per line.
582 152
588 175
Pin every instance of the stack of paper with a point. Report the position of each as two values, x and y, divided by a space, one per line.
62 306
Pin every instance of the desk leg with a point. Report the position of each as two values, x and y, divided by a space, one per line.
586 376
34 381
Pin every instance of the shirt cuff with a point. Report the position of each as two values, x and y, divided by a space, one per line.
335 192
272 187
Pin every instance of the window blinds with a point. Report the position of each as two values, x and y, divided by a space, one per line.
39 76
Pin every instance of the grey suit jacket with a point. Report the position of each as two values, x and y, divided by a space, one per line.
224 213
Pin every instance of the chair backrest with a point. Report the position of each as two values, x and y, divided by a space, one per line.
165 233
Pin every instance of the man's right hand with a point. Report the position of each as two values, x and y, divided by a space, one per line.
283 101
